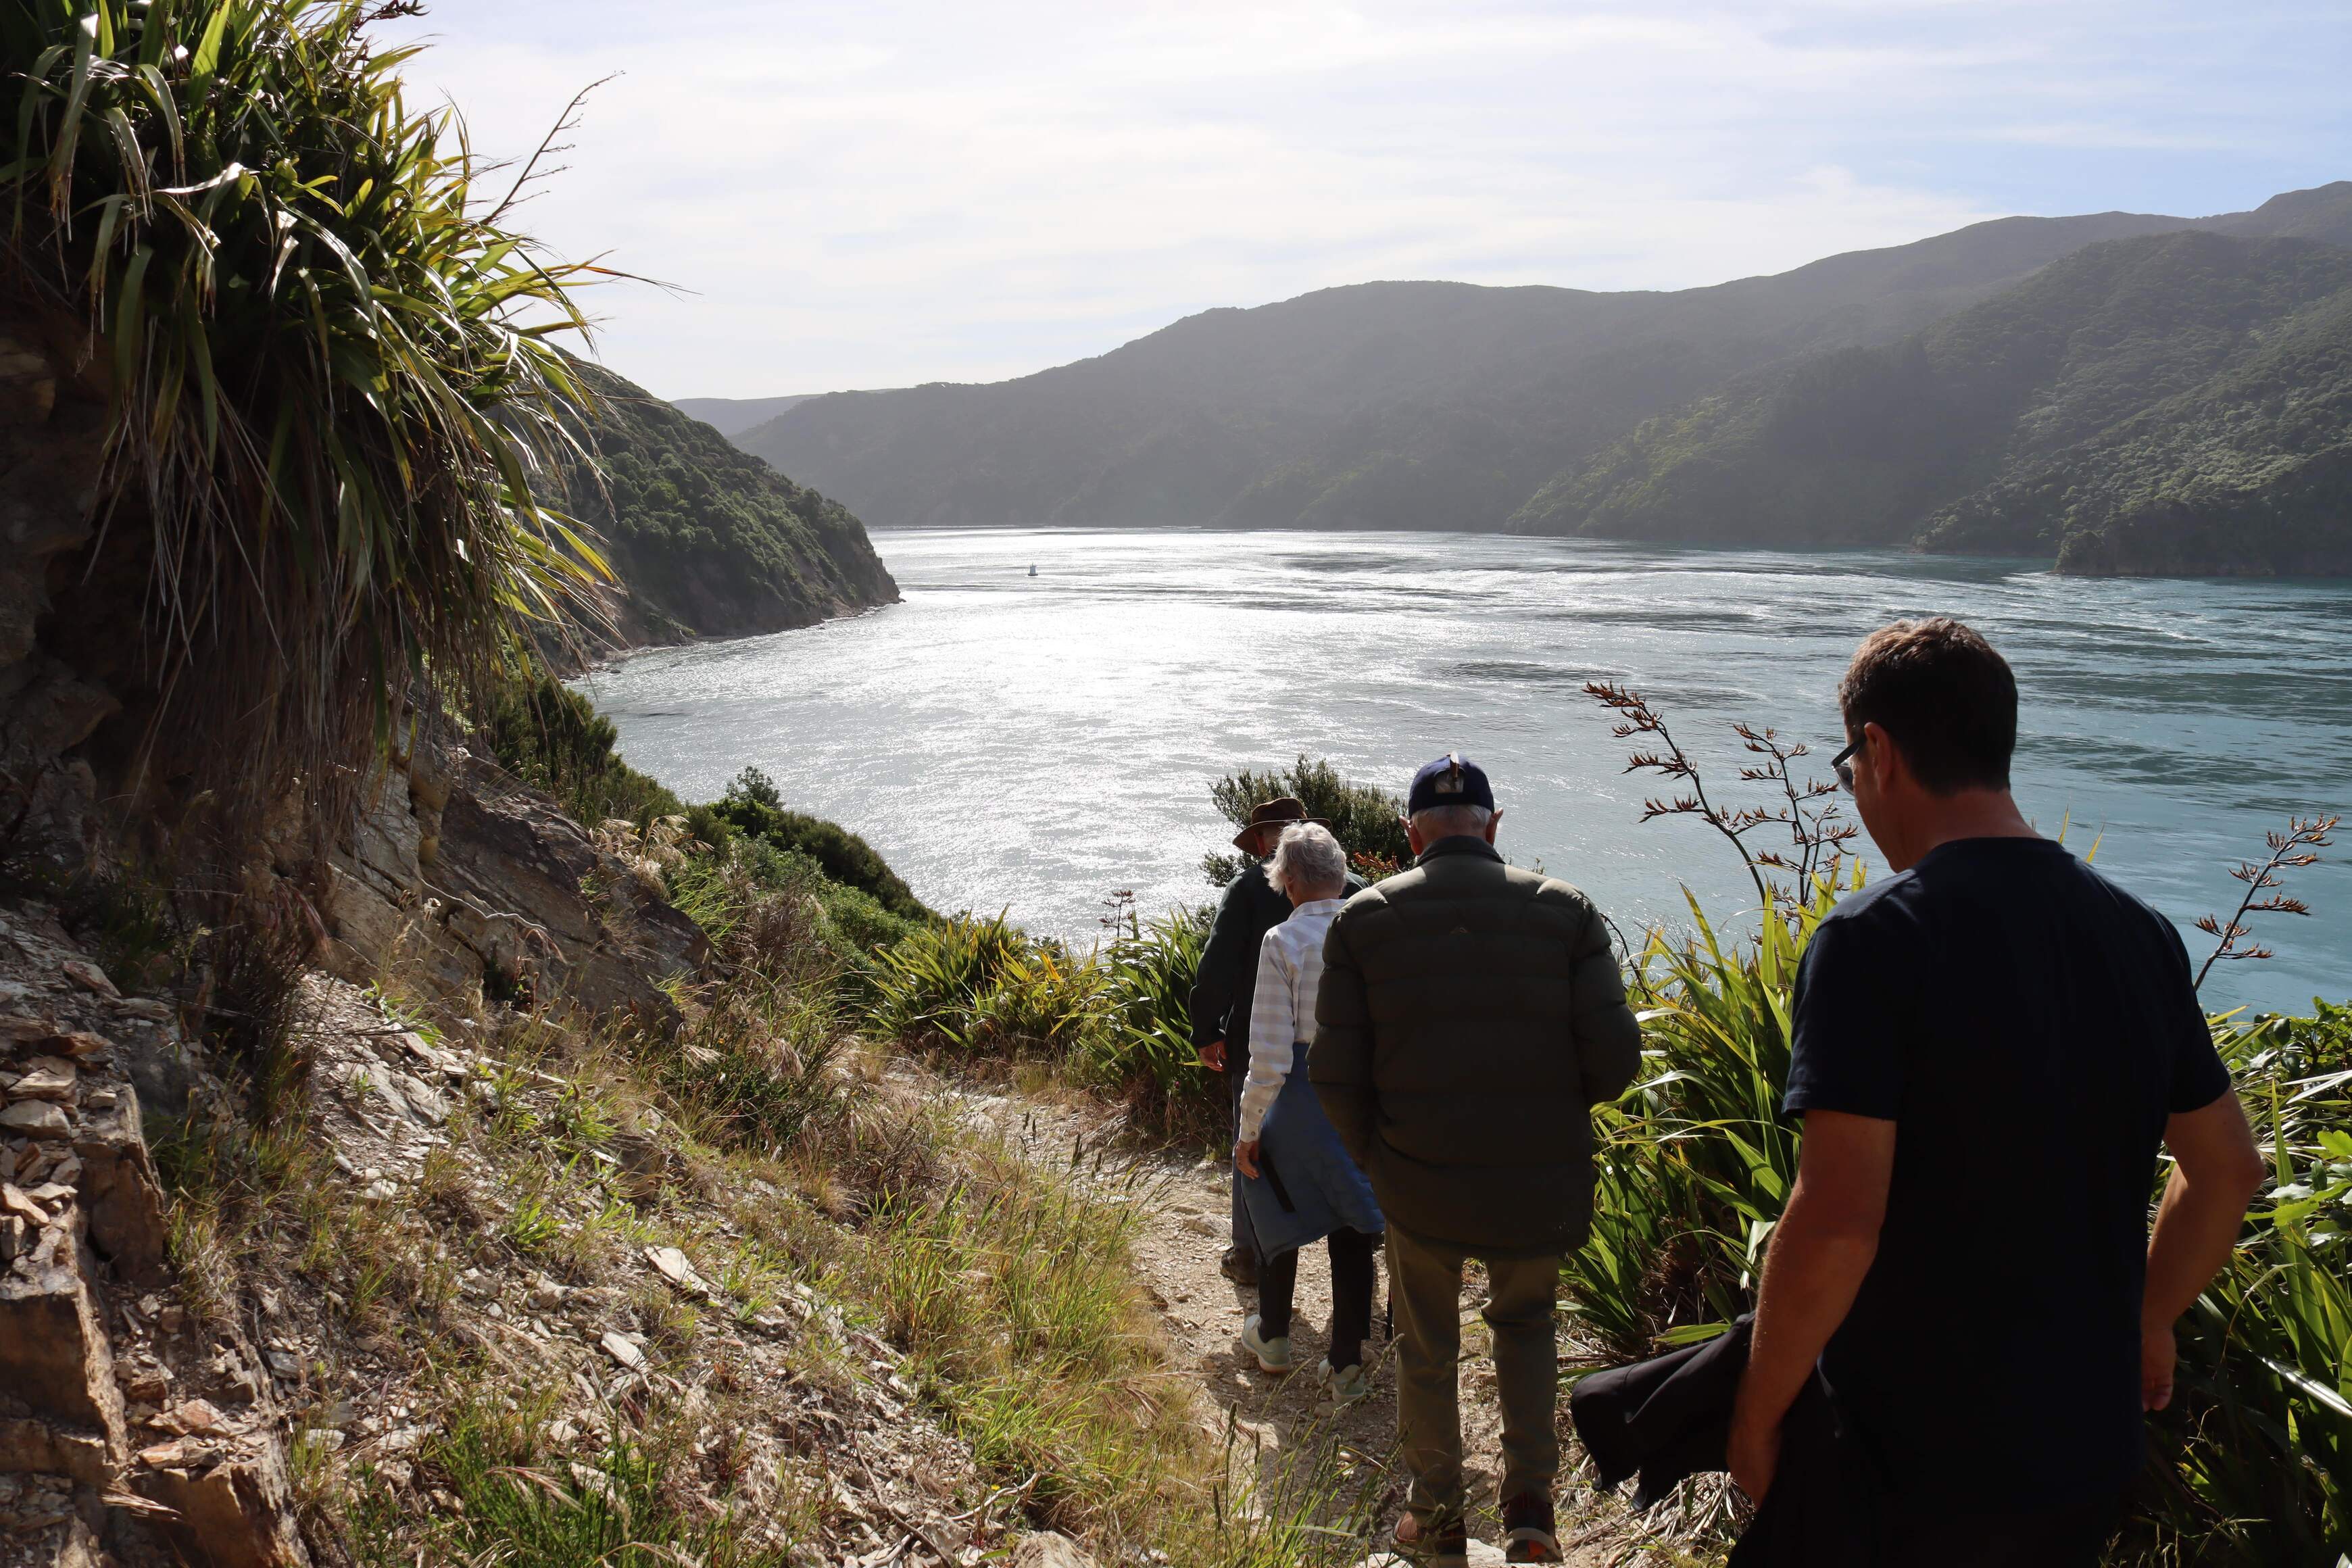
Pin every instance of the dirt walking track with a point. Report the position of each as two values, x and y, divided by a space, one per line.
1181 1205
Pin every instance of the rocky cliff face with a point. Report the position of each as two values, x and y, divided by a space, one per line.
52 438
468 881
139 1425
132 1431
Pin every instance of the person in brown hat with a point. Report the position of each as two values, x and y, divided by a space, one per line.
1227 981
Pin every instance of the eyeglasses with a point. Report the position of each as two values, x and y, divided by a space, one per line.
1842 765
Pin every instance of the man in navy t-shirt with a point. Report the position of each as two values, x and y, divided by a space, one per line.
1989 1048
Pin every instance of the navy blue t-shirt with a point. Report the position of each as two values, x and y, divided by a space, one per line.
2028 1025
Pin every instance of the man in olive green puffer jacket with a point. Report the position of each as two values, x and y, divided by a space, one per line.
1470 1014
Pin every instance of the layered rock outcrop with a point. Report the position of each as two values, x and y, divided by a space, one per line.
132 1432
469 882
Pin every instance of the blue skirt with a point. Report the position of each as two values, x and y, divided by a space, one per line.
1306 1186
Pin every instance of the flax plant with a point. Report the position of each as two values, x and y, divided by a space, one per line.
2255 1457
2296 847
328 361
1695 1162
1808 809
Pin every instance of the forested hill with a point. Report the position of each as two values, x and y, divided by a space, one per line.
710 540
2175 404
1402 404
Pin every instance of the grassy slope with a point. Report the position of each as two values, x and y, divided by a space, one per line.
877 1276
2131 407
710 542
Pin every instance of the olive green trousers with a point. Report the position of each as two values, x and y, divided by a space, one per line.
1426 1285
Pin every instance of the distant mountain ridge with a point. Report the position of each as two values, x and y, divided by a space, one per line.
733 415
1422 404
2177 403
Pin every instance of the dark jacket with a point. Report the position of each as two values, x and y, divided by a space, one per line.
1471 1016
1226 982
1670 1417
1227 979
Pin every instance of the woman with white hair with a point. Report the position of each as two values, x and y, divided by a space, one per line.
1298 1179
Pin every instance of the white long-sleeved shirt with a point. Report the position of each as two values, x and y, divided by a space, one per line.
1281 1009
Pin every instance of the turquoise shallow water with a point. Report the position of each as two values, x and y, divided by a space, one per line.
1037 744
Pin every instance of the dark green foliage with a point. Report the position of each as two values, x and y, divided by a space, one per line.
1692 1164
742 847
982 987
1366 819
330 368
2179 403
1147 1055
753 807
549 736
710 540
2253 1463
983 993
714 887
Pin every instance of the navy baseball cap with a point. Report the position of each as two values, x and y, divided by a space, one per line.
1452 780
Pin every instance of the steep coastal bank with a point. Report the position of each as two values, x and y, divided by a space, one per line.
706 540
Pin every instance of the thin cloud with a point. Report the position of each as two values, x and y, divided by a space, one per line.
873 194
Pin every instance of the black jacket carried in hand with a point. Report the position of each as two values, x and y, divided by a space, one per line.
1669 1417
1471 1016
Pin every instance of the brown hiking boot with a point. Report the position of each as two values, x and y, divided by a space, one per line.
1528 1529
1239 1265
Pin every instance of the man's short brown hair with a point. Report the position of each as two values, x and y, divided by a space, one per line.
1946 697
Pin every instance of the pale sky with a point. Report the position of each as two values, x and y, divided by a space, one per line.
885 192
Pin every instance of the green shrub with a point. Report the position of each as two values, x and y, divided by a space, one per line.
1694 1163
1366 820
717 884
1045 1004
753 806
2259 1438
1145 1054
860 922
551 738
1115 1020
930 984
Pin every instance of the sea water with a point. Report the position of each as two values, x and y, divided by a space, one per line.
1037 745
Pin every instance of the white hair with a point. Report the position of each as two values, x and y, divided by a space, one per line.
1307 859
1437 822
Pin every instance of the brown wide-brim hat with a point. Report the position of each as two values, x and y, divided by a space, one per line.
1279 811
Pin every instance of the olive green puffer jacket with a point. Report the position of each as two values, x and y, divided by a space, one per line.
1471 1016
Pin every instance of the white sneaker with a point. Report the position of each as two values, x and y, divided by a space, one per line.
1341 1389
1272 1356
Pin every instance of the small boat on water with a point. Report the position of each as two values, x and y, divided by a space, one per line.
1033 569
